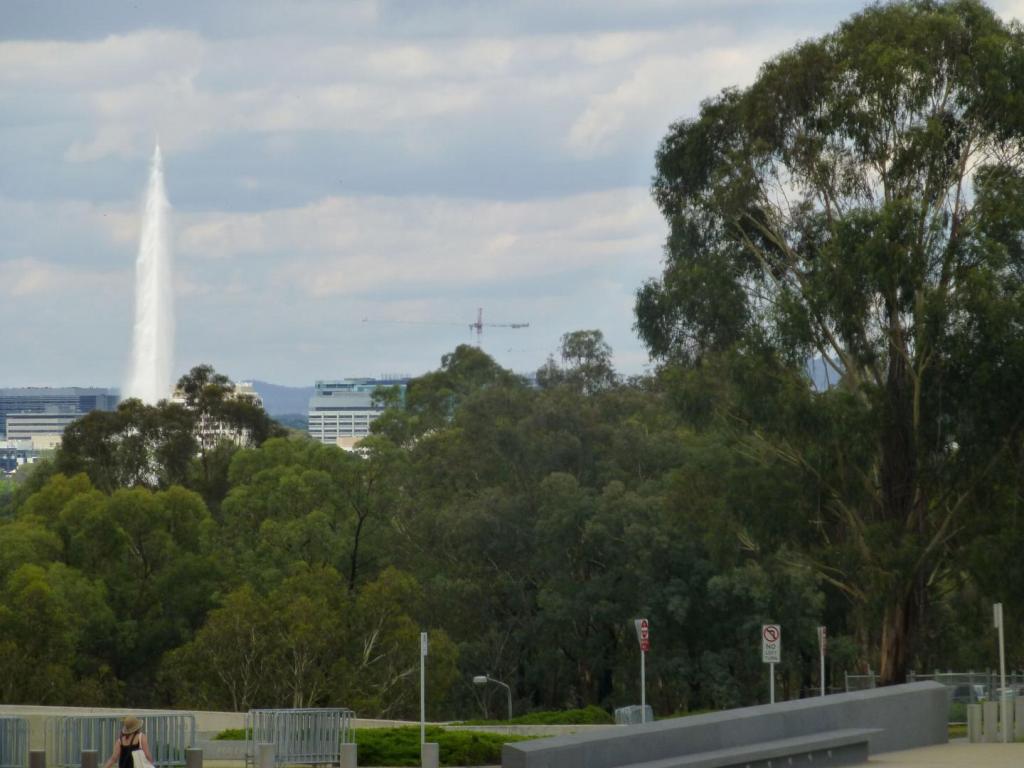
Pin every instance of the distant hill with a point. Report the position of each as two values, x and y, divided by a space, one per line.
282 401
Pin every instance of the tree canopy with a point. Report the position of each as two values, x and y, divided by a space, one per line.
862 203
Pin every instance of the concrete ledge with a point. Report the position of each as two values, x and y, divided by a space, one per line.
900 716
835 748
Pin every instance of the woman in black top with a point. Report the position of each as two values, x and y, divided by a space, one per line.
131 740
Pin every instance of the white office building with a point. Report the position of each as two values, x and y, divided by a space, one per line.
41 430
342 410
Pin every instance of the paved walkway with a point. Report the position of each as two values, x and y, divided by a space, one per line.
956 755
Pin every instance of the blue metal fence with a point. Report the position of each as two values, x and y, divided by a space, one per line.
300 736
13 742
168 734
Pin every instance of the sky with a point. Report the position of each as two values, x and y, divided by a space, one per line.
351 180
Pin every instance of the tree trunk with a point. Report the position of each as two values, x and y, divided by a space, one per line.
898 499
897 628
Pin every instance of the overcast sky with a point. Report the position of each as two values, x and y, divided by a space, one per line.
335 167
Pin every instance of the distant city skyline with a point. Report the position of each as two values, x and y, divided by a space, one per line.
351 181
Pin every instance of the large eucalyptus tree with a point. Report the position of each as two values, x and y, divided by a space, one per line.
863 203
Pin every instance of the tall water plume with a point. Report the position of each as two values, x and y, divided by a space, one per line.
153 346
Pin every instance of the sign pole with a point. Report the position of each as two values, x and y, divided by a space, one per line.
643 634
997 610
643 689
423 688
771 653
821 644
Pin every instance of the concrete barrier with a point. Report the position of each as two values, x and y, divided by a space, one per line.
900 717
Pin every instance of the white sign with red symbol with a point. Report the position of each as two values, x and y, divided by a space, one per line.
771 643
643 634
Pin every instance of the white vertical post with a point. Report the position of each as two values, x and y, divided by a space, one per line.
821 645
643 689
771 680
643 634
423 688
997 611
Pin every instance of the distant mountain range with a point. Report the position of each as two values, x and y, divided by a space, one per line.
281 401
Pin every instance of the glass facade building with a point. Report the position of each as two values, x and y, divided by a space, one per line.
65 400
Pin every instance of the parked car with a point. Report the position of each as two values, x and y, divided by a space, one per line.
968 694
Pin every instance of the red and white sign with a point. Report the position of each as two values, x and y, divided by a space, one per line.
643 634
771 643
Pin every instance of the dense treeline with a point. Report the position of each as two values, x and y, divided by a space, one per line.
861 204
525 527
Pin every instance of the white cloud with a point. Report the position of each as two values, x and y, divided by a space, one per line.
658 88
1008 9
191 90
354 245
117 59
30 278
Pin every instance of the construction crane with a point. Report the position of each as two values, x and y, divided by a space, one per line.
478 326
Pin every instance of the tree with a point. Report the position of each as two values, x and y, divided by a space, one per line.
136 445
228 665
586 363
863 202
54 619
186 443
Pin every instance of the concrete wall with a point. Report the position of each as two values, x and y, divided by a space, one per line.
908 716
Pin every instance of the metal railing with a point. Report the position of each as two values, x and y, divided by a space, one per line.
963 687
168 734
13 742
299 736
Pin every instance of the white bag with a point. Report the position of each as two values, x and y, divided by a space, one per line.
139 759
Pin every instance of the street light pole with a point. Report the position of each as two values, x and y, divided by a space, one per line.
484 680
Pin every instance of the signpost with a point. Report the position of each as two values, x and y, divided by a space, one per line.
643 634
424 646
997 620
822 644
771 652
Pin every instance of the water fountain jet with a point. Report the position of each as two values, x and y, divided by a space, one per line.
153 344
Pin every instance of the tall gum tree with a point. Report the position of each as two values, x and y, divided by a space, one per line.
863 203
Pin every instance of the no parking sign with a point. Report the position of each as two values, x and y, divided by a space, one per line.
771 643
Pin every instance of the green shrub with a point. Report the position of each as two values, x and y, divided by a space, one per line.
401 746
232 734
591 715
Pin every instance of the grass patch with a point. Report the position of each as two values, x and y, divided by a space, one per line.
233 734
958 730
588 716
401 746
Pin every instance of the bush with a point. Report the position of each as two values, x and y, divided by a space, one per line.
591 715
401 746
232 734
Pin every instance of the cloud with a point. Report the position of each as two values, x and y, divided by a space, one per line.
1008 9
31 278
114 60
342 246
658 86
191 90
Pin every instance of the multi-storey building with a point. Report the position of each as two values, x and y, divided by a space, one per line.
342 410
49 400
43 431
14 455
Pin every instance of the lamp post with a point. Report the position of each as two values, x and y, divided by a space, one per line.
484 680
